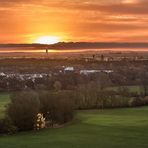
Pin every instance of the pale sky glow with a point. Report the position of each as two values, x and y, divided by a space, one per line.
130 1
47 40
25 21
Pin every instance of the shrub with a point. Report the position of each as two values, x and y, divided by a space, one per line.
57 107
131 102
138 102
6 126
124 91
145 100
64 107
23 109
57 85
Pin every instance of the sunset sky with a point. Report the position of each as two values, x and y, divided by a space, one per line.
24 21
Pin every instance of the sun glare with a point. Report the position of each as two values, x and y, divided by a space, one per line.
47 40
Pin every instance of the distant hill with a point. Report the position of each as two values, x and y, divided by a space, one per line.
79 45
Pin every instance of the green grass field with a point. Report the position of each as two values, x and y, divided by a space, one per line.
124 128
136 88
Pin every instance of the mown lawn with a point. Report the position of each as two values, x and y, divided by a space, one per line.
124 128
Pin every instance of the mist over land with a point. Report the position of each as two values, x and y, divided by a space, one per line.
79 45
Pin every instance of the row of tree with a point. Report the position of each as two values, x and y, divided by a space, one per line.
23 112
40 108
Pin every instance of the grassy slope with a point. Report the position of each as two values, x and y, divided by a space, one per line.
124 128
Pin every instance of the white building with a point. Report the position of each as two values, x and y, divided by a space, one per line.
86 72
69 69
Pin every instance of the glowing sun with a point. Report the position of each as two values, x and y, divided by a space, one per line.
48 40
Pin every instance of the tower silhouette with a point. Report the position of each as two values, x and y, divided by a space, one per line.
46 51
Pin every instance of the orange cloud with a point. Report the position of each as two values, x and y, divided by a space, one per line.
87 20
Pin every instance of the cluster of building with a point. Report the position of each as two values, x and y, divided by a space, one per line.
63 70
23 76
86 71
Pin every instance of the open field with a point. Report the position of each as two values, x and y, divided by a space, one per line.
107 128
136 88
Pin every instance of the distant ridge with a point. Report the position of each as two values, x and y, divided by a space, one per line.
79 45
